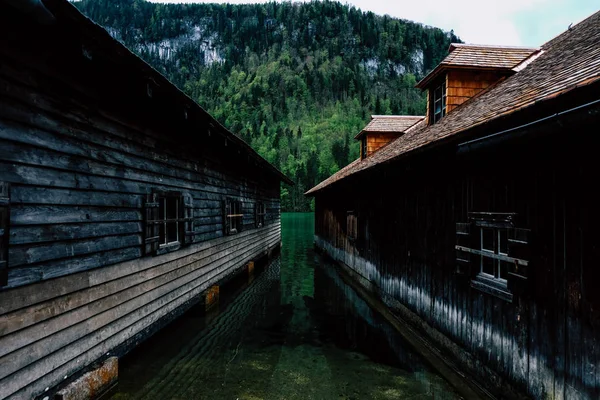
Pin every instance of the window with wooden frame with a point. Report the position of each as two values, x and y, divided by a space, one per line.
4 231
260 212
493 253
351 226
169 221
438 101
233 216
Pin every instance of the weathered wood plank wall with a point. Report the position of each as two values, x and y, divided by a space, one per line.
76 206
52 329
546 342
81 144
463 85
78 189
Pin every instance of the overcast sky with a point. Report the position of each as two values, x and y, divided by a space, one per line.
508 22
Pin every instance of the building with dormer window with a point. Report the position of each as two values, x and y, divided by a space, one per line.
478 226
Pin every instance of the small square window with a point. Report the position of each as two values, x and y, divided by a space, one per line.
438 103
487 239
260 214
170 218
169 221
503 241
494 241
487 265
494 253
233 216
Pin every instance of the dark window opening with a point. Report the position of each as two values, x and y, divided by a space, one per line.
261 212
233 216
438 100
169 221
494 242
494 253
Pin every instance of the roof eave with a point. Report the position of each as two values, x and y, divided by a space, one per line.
456 137
423 83
100 34
360 134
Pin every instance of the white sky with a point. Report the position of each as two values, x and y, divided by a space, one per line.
508 22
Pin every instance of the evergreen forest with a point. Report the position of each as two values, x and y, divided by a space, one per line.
296 80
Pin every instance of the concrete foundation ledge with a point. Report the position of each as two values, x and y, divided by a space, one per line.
92 384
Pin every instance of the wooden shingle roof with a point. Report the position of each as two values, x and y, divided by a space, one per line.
473 55
477 56
568 62
390 124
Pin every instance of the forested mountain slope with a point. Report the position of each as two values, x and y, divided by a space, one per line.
295 80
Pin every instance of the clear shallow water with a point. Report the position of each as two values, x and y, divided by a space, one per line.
296 331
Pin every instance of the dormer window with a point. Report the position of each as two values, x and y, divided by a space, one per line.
439 102
467 71
384 129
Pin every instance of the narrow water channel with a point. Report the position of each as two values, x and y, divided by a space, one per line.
295 331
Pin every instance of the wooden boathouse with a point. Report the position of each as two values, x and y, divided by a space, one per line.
478 225
121 200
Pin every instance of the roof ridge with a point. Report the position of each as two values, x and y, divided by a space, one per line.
494 46
397 116
525 63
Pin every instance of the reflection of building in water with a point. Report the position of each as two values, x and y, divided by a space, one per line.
203 355
353 325
280 342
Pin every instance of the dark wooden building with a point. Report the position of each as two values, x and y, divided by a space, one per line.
480 226
121 200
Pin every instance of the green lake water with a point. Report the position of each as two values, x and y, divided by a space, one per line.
295 331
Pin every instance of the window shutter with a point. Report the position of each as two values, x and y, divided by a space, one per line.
464 238
188 223
519 248
151 228
226 212
4 231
